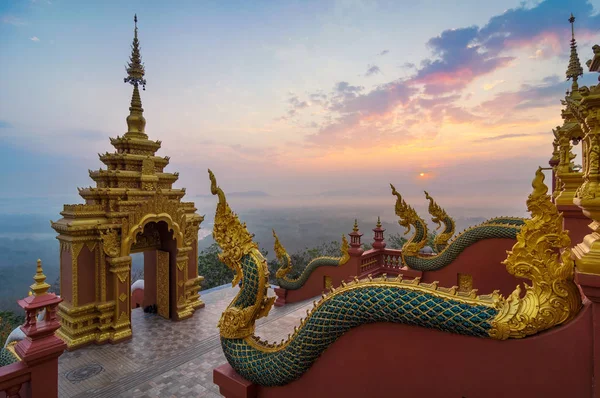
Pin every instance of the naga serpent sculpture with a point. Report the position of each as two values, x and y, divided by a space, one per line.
541 254
439 216
293 284
498 227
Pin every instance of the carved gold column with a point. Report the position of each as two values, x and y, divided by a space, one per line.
192 285
587 110
568 180
120 269
184 309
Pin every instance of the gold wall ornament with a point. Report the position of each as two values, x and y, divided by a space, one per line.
111 242
465 282
408 218
541 254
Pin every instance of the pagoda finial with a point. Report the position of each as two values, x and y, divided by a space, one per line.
378 222
355 229
40 287
135 76
574 70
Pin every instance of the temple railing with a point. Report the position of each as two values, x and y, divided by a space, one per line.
14 380
370 261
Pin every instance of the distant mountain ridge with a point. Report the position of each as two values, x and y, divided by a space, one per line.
242 194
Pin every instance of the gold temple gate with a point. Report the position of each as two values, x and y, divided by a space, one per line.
132 209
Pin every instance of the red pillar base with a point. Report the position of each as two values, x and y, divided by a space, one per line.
231 384
281 293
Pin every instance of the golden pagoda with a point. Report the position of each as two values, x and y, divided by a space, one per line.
568 178
132 209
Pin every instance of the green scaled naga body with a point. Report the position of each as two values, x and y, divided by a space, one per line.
498 227
552 298
293 284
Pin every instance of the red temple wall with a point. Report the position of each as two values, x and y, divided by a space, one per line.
86 276
392 360
66 281
483 261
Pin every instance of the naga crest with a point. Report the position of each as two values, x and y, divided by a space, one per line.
439 216
437 213
283 257
409 217
229 233
238 320
542 254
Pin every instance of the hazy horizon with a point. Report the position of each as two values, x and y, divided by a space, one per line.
292 98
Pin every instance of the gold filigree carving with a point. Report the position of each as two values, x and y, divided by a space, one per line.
541 254
123 297
327 283
465 282
162 284
149 238
148 166
75 250
111 243
122 276
408 218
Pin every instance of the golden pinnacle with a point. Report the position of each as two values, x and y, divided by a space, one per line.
355 229
40 287
378 222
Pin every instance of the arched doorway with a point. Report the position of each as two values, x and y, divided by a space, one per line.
159 247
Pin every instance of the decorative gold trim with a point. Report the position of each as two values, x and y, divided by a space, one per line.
75 250
123 297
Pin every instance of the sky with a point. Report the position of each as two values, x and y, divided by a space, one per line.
292 98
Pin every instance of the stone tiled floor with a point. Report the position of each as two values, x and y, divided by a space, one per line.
164 358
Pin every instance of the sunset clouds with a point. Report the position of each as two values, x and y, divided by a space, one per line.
298 95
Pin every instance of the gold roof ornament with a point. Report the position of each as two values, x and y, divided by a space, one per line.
40 286
574 69
136 123
355 228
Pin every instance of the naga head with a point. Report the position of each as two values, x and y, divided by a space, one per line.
252 302
283 257
437 213
345 255
403 210
541 254
229 233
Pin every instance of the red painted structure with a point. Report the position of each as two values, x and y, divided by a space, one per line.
36 376
376 361
482 261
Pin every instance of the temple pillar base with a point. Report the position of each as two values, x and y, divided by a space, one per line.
232 385
106 312
79 325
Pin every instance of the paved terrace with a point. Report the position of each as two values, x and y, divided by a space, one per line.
165 359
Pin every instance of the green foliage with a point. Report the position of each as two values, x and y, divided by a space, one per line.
8 322
396 241
215 273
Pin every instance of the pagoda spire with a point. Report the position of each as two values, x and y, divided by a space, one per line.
135 76
574 70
